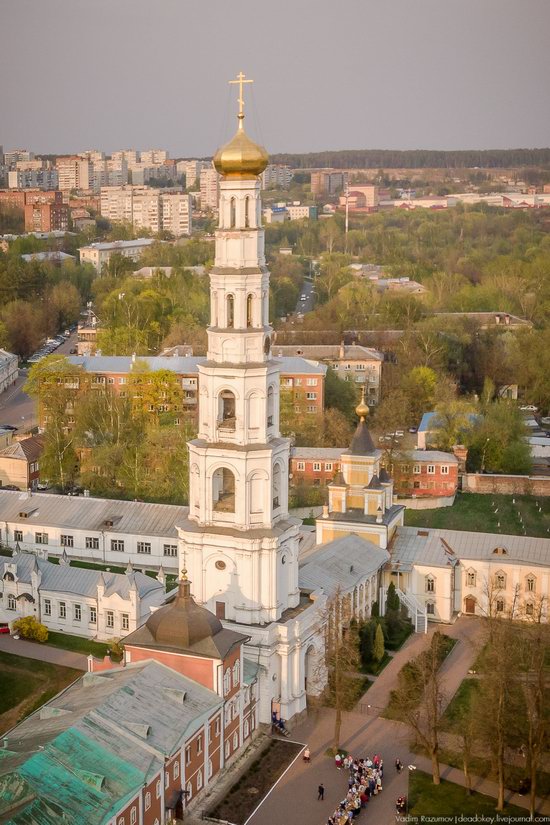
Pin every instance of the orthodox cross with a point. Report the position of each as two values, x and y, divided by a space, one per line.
241 80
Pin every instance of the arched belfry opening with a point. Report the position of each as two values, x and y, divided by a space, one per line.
226 410
223 490
230 321
232 213
247 212
249 310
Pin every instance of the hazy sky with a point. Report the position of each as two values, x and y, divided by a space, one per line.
330 74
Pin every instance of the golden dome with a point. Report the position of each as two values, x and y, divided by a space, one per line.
362 409
241 157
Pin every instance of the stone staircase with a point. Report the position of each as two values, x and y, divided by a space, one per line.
417 612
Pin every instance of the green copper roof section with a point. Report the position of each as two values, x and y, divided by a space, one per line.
89 784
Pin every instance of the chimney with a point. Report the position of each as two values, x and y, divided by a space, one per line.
325 510
379 516
342 353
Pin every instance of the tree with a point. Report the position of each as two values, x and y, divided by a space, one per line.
341 657
378 648
392 599
419 697
340 395
30 628
452 423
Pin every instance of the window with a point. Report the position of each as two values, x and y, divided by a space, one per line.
500 580
236 672
311 382
227 749
431 469
500 605
121 821
170 549
210 768
189 791
12 603
199 745
147 800
416 469
47 607
227 681
430 584
157 789
246 730
328 466
235 741
187 754
18 535
117 545
300 465
529 609
471 578
144 547
176 769
311 396
217 726
41 538
92 543
77 612
230 311
110 618
199 779
93 615
430 608
133 816
110 380
316 466
122 380
444 470
531 584
125 621
166 779
249 300
66 541
62 610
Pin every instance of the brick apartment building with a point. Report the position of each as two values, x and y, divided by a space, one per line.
315 466
327 181
426 473
44 211
304 378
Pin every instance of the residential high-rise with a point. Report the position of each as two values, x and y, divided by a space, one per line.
33 179
74 173
192 171
148 208
327 182
210 188
276 176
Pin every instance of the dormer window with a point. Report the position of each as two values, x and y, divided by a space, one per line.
500 551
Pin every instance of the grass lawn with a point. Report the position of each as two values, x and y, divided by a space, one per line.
446 799
26 684
459 704
77 643
473 511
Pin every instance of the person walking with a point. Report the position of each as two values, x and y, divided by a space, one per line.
307 755
321 792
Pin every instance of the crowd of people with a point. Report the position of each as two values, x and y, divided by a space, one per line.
365 780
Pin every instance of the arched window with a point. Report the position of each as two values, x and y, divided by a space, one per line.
256 484
246 214
500 605
500 580
270 406
471 578
226 410
249 305
276 486
230 322
232 213
189 791
430 584
236 673
199 779
223 490
529 609
12 603
531 583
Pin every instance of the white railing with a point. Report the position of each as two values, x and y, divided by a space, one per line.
417 611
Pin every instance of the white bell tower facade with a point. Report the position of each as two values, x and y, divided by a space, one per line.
238 543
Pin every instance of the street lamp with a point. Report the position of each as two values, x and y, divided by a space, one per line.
483 455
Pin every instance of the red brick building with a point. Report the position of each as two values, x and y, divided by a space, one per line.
46 216
426 473
316 466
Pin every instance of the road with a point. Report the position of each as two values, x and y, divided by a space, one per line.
306 305
16 407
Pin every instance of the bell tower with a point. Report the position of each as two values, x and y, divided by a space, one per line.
238 542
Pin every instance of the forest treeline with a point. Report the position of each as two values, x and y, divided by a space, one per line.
415 158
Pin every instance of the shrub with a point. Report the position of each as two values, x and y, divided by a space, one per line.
378 650
30 628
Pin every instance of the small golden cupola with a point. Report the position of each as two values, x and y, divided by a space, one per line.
241 158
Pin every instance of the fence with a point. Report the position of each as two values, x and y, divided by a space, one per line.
486 483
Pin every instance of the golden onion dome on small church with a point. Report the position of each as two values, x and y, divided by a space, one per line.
241 157
362 409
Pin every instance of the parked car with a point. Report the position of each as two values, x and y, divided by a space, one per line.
528 408
73 351
413 429
4 627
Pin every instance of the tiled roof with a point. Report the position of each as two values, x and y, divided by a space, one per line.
87 513
343 562
62 578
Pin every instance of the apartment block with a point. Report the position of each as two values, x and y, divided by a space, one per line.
12 157
192 170
33 179
148 208
153 156
210 188
46 216
129 155
74 173
327 182
276 176
99 254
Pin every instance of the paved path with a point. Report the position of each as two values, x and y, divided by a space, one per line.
365 732
45 653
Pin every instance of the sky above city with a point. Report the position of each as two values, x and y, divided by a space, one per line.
354 74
